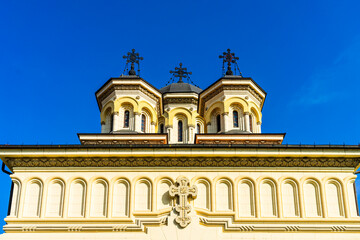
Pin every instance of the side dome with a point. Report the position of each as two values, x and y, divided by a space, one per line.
180 87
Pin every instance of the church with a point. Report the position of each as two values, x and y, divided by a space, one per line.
181 163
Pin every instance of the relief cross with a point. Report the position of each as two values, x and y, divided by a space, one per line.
183 189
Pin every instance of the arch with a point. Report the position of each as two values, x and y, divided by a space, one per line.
108 106
290 198
224 195
334 199
98 200
352 200
236 100
143 195
268 199
246 198
143 105
219 105
181 111
128 100
312 200
257 112
15 198
121 198
77 195
200 123
162 192
203 199
55 198
33 196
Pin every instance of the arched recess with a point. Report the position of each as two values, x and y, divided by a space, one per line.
77 198
163 198
98 200
203 198
145 105
268 200
145 118
246 198
108 122
200 126
127 117
215 121
127 100
15 198
121 198
224 195
143 195
240 118
219 105
32 201
334 199
108 106
257 112
55 198
312 201
182 111
181 129
353 207
236 100
290 198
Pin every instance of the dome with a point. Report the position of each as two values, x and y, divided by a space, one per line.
180 87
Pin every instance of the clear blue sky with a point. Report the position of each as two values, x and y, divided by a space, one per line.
55 54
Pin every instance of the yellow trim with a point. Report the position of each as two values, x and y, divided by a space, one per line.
236 100
257 111
118 102
211 108
105 109
180 110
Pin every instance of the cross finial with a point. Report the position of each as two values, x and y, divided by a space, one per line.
229 58
181 73
133 58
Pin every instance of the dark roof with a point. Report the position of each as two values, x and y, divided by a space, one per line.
180 88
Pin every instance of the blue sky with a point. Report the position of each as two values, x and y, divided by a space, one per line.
55 54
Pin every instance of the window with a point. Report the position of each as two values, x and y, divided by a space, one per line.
143 123
218 123
162 128
197 128
112 122
251 123
236 119
126 118
180 131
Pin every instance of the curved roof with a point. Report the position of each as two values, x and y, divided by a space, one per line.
180 87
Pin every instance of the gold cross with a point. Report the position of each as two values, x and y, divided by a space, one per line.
182 189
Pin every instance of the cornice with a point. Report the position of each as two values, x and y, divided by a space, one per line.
173 162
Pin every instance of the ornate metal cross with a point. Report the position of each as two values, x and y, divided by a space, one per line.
133 57
181 72
183 189
229 58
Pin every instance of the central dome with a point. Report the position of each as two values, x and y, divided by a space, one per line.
180 87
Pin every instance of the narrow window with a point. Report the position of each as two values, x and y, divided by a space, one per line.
251 123
197 128
161 128
180 131
126 118
218 123
236 119
111 122
143 123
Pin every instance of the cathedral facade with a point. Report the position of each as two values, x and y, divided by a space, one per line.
181 163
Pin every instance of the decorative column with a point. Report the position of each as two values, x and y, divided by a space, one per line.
103 127
116 121
191 134
208 128
258 127
247 121
169 130
137 122
226 123
152 127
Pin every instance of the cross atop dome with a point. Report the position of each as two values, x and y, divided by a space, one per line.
181 73
229 58
133 58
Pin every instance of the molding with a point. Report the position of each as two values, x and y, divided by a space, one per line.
180 100
174 162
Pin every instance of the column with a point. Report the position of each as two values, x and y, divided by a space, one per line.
247 121
116 121
169 130
226 123
191 134
152 127
258 127
103 127
137 122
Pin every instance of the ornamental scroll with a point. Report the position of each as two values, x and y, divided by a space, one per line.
183 189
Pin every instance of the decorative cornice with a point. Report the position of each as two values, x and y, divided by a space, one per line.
181 100
173 162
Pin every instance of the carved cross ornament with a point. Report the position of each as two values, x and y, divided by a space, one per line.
183 189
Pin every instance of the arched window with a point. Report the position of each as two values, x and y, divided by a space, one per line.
251 123
180 131
218 123
126 119
236 119
197 128
143 123
162 128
